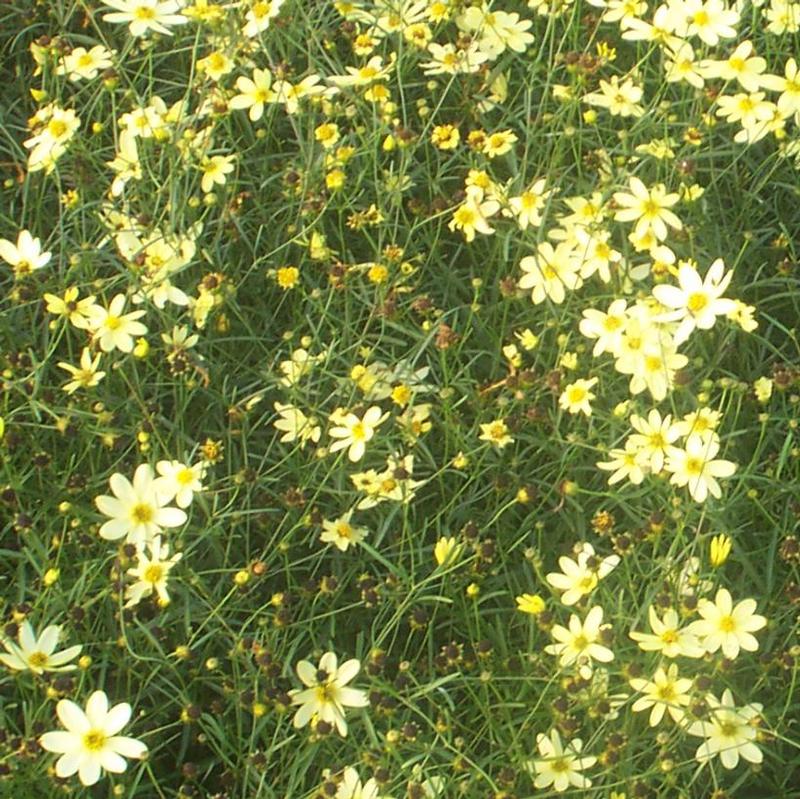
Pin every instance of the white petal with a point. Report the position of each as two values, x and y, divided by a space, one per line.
128 747
116 719
72 717
68 764
60 742
97 709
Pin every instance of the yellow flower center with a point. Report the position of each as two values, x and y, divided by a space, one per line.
113 322
560 764
37 659
344 530
697 301
666 692
94 740
85 60
358 432
153 573
729 729
650 209
669 636
56 128
727 624
701 18
185 476
144 13
694 466
580 642
142 513
576 394
465 217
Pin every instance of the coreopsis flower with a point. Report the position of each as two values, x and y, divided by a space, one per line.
341 533
559 765
82 64
351 787
499 143
137 510
496 433
719 549
709 20
76 311
624 464
112 329
698 422
472 215
37 653
151 573
26 255
295 425
579 643
527 206
387 485
694 466
788 84
90 743
727 627
579 577
446 59
696 302
550 272
606 328
446 551
215 171
532 604
143 16
326 694
649 208
179 481
374 70
125 164
620 99
216 65
740 65
84 376
665 692
653 438
259 16
577 397
668 637
54 128
352 433
730 732
254 93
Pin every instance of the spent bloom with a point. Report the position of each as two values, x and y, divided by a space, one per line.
326 694
729 732
559 765
90 743
727 627
137 509
37 653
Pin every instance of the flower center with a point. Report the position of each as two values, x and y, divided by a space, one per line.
560 764
697 301
144 13
669 636
113 322
694 466
37 659
57 128
142 513
94 740
153 573
727 624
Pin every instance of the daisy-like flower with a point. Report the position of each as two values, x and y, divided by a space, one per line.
624 464
649 208
259 15
215 171
145 15
527 206
532 604
696 302
85 375
580 577
114 330
37 654
730 732
472 215
341 533
667 637
76 311
83 64
726 627
351 787
665 692
560 766
577 397
353 433
326 694
606 328
151 574
653 438
446 551
295 425
621 99
26 255
254 93
137 509
496 433
179 482
694 466
91 743
550 272
579 643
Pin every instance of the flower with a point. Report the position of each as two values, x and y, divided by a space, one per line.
215 171
667 637
697 303
326 695
695 467
179 482
85 64
446 551
85 375
145 15
137 509
653 439
351 786
719 549
472 214
341 533
530 603
258 17
729 732
550 272
576 397
75 310
665 692
295 425
37 654
353 433
253 94
579 642
90 743
624 463
496 433
560 766
114 330
580 577
151 573
649 208
26 256
726 627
